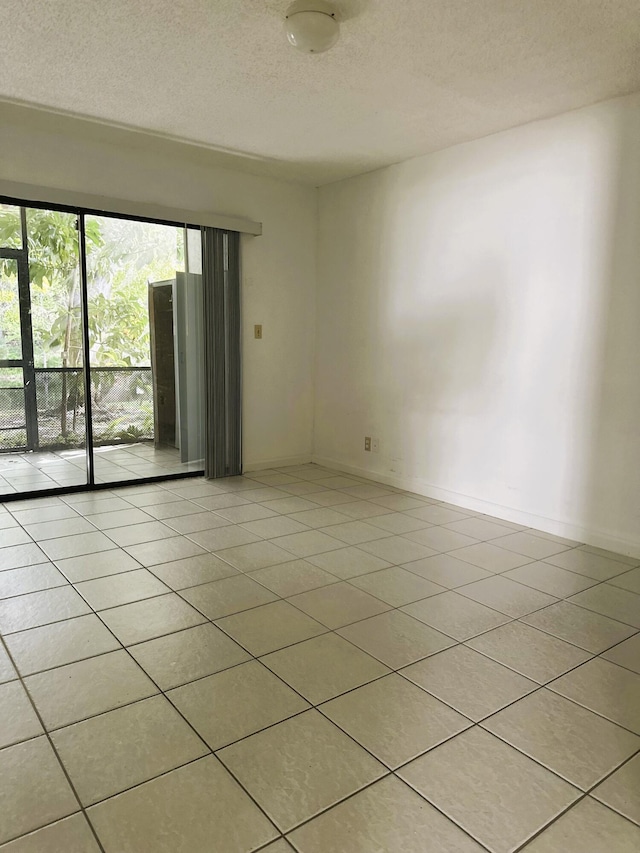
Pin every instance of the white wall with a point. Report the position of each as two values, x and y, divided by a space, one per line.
478 312
478 309
278 268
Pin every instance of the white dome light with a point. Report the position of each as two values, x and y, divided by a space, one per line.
312 27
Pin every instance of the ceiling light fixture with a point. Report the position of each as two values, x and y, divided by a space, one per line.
312 26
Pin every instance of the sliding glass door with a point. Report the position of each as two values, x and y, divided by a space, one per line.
100 350
136 288
42 391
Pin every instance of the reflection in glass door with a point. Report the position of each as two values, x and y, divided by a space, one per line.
141 331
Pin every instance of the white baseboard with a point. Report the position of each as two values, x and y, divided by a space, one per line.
566 529
283 462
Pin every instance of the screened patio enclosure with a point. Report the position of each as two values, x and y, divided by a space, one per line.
93 365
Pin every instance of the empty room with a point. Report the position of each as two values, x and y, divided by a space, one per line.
320 426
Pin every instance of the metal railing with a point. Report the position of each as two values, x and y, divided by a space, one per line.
122 408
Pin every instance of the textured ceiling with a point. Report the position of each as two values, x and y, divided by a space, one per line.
407 76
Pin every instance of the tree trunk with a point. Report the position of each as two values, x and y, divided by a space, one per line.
65 355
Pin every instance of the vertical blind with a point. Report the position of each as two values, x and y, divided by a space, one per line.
223 416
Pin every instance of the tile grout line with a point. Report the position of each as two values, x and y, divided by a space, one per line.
249 574
480 541
55 752
59 492
347 580
313 707
584 796
456 642
318 708
511 619
177 710
397 671
356 545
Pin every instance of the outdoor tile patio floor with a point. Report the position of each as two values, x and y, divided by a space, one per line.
301 660
48 469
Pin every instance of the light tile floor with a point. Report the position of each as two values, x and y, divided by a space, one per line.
299 660
48 469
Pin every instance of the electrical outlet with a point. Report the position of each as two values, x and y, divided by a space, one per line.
375 445
257 332
367 442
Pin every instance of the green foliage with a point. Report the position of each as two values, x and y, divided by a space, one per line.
10 346
132 432
122 258
13 439
10 227
52 239
68 441
135 254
